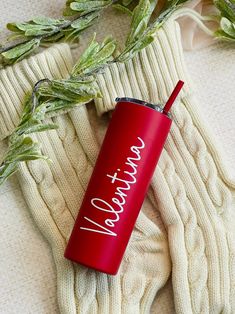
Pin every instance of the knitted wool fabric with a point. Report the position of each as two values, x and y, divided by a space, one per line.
54 194
190 189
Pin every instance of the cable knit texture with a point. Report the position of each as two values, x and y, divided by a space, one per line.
195 195
17 80
186 226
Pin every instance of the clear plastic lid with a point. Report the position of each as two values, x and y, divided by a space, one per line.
156 107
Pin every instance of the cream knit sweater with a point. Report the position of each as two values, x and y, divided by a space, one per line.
185 231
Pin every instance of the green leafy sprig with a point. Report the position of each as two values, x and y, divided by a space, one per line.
50 97
84 6
21 146
141 33
227 19
125 6
42 31
53 96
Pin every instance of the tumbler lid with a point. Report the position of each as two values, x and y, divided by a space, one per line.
156 107
163 110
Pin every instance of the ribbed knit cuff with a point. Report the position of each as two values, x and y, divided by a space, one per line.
54 62
151 75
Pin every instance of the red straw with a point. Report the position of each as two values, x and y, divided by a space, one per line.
173 96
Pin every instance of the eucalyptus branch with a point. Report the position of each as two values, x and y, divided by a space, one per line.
22 147
50 97
41 31
63 24
142 34
226 30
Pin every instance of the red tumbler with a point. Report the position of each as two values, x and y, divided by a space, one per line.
128 157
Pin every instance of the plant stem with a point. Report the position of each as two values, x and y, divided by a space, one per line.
54 32
41 37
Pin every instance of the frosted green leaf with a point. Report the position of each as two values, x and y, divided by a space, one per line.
31 155
58 105
17 142
90 51
224 36
24 26
37 27
227 26
48 21
72 33
87 6
21 50
138 46
139 20
31 29
135 35
68 11
24 152
22 149
12 27
37 30
122 9
72 36
7 170
40 128
16 36
20 145
94 56
70 90
105 52
52 39
163 17
227 8
126 2
84 22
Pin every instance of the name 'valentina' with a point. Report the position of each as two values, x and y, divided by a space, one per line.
116 206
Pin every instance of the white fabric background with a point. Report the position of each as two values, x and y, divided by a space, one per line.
27 273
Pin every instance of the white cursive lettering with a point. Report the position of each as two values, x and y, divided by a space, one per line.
120 200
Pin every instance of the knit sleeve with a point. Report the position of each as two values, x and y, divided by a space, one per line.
151 75
194 191
54 193
54 62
